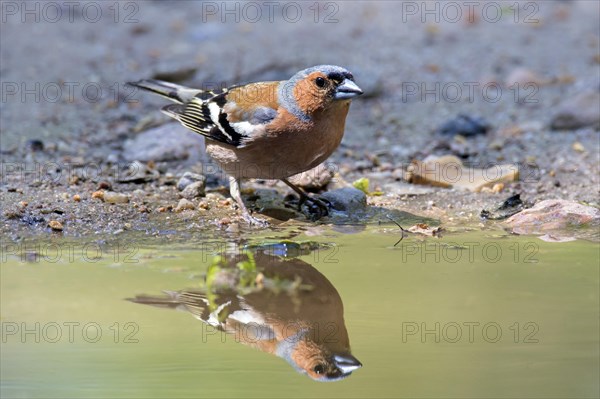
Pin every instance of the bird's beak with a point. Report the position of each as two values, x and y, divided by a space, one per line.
346 363
347 90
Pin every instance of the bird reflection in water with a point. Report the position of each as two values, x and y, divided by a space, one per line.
280 306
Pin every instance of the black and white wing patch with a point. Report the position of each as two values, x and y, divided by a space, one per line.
204 114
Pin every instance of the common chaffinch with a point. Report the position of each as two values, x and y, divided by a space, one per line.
266 130
304 326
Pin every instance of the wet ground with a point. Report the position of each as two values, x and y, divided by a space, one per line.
91 169
69 123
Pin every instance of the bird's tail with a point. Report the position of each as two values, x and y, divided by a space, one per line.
171 301
177 93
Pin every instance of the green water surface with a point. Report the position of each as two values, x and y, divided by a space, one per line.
479 314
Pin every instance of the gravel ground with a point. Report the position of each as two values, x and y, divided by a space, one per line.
70 128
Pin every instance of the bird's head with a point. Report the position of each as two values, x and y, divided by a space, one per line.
317 88
318 360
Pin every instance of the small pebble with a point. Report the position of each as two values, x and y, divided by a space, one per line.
189 178
98 194
226 202
577 146
498 187
215 196
184 205
225 221
34 145
55 225
115 198
204 205
76 198
193 190
465 125
23 204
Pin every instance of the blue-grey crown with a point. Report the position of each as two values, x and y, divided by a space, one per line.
286 93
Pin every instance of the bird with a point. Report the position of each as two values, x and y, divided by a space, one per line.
266 130
303 325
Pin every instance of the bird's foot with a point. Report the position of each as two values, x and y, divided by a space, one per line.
252 221
316 208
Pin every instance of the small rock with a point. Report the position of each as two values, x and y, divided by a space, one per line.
34 145
552 215
509 207
189 178
449 171
347 199
194 190
581 110
98 194
169 142
183 205
225 221
76 198
577 146
226 202
465 125
498 187
204 205
23 204
315 179
115 198
215 196
55 225
137 172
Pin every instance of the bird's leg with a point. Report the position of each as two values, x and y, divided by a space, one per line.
321 205
234 190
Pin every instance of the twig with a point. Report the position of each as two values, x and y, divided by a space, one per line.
401 228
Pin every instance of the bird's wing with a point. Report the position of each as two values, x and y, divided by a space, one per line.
231 116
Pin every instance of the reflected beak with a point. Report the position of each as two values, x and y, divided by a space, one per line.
347 363
347 90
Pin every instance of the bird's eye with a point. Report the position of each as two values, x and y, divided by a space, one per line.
319 369
320 82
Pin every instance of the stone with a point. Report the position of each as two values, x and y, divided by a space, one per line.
184 205
314 179
55 225
449 171
189 178
553 215
347 199
464 125
137 172
115 198
194 190
580 110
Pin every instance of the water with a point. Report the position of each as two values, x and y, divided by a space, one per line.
475 314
